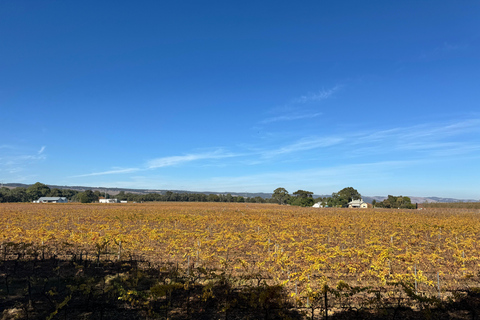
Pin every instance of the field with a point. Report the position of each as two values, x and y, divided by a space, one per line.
221 260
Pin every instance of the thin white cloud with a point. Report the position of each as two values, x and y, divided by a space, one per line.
317 96
303 145
426 137
176 160
291 117
444 50
328 178
17 161
427 142
116 171
295 109
164 162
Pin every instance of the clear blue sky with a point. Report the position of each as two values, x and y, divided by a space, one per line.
382 96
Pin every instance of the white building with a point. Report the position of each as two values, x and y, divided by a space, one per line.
51 200
357 204
108 201
317 205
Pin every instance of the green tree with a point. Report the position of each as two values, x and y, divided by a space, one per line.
55 192
87 196
349 194
342 197
37 190
213 198
302 198
399 202
301 201
18 195
280 195
303 194
69 194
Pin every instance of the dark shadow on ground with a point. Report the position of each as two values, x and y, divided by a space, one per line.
34 288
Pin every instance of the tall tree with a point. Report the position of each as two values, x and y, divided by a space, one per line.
349 194
280 195
87 196
303 194
37 190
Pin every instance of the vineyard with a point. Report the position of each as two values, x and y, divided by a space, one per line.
236 261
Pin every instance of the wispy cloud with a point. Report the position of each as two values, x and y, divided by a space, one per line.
304 145
102 173
17 161
165 162
430 139
358 155
317 96
327 178
296 108
176 160
291 117
445 49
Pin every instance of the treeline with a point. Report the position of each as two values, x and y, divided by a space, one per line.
304 198
453 205
33 192
395 202
188 197
38 190
341 198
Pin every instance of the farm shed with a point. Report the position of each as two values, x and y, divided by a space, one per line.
51 200
108 201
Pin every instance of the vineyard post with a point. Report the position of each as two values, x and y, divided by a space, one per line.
438 285
415 268
197 262
296 292
326 302
308 294
119 249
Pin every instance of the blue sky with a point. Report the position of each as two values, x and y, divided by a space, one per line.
242 96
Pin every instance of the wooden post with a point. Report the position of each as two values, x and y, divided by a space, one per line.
415 278
438 285
326 303
119 250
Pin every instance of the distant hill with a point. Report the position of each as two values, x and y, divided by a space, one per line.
114 191
420 199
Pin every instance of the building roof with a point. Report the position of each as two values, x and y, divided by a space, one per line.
51 198
359 202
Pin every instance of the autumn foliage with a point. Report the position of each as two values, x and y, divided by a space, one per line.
350 253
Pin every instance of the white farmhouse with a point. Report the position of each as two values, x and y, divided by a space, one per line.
357 204
52 200
108 201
